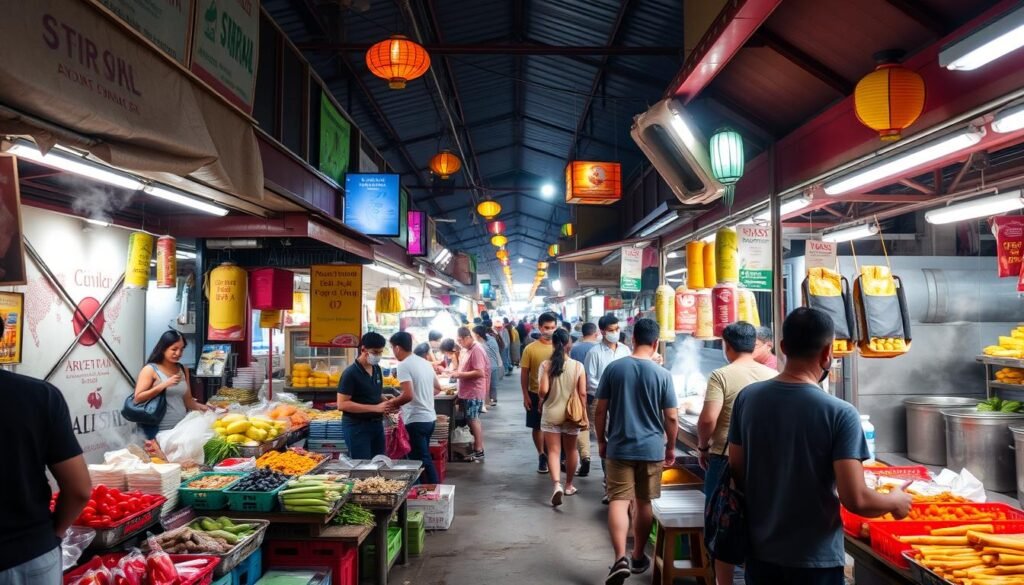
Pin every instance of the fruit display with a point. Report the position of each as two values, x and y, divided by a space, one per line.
1010 376
313 494
1000 405
249 431
970 554
304 376
290 462
887 344
389 300
1010 346
205 536
960 513
391 381
324 414
108 506
378 485
843 346
261 480
296 417
212 482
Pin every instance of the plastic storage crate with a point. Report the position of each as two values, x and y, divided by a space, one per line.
340 557
885 535
368 552
253 501
417 531
854 525
204 577
312 576
206 499
249 570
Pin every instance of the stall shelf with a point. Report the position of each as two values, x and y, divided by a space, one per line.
991 384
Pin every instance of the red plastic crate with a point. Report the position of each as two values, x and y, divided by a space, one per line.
442 469
205 577
885 542
341 558
439 451
852 523
905 472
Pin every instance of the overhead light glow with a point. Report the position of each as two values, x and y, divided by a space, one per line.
990 42
97 222
852 233
520 261
385 270
675 272
67 161
900 163
556 285
983 207
547 190
673 254
787 207
1009 120
185 200
682 129
185 255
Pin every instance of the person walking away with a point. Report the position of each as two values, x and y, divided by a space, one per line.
30 534
724 385
163 373
636 435
490 344
419 385
534 355
791 472
360 394
515 345
588 339
560 377
472 378
505 338
603 354
764 350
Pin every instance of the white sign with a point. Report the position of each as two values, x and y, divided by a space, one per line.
632 269
820 254
165 23
755 257
88 264
225 47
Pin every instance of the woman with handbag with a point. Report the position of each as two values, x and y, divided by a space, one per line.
563 398
163 379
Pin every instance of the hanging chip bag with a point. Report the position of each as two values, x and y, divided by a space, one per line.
829 291
1009 233
882 312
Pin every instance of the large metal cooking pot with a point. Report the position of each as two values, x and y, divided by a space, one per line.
926 429
981 442
1018 443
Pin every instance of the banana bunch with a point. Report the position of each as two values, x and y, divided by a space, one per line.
999 405
389 300
1010 376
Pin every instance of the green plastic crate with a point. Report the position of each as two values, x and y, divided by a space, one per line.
206 499
417 531
253 501
367 564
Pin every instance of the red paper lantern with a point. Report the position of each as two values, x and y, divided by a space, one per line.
495 227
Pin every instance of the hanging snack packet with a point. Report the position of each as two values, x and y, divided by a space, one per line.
829 291
1009 233
882 313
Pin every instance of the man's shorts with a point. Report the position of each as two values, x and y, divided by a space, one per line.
629 479
472 408
533 415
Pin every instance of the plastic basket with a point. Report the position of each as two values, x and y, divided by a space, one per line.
112 535
341 557
904 472
885 535
204 577
253 501
922 574
242 550
369 551
860 527
249 570
206 499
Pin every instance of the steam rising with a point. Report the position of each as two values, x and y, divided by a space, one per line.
93 201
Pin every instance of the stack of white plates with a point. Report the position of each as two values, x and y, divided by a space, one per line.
111 476
249 378
156 478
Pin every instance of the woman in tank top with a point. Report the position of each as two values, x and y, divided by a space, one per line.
560 376
163 372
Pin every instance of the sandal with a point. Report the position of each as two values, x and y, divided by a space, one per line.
571 491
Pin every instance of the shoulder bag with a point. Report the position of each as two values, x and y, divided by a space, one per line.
575 410
725 520
150 412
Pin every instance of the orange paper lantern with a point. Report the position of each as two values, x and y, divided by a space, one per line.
542 265
553 250
593 183
488 209
501 254
445 164
398 60
889 99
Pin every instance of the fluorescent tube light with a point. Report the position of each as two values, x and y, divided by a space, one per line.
98 222
185 255
990 42
673 280
669 218
673 254
435 284
852 233
900 163
682 129
1009 120
184 200
78 165
785 208
675 272
976 208
385 270
709 239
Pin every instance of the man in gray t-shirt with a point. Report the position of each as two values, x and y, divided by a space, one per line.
636 427
792 446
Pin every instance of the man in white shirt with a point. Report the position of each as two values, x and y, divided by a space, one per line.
419 385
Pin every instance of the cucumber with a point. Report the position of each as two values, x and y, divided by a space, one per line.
303 490
305 502
312 509
208 524
225 535
225 523
239 528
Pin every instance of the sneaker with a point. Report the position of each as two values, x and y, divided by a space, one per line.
556 497
477 456
542 463
618 573
584 468
638 566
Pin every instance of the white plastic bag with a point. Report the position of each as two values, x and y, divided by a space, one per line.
184 443
462 435
963 484
76 540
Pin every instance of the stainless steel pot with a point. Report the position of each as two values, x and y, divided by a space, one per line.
981 442
926 429
1018 443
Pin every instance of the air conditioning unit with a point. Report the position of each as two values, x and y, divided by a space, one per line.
674 145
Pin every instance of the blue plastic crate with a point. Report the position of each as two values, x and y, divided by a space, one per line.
225 580
248 571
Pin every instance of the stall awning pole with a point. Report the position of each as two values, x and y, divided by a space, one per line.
778 301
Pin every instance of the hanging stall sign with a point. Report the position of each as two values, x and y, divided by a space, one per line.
271 319
336 305
166 262
299 313
593 183
372 204
485 288
631 270
12 253
818 254
433 244
227 293
225 48
12 322
755 257
1009 233
166 24
140 251
335 141
417 233
403 219
613 303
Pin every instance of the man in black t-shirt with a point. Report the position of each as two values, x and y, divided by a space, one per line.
38 422
360 398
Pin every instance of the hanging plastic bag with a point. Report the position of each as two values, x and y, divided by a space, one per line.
159 565
398 444
75 541
461 435
184 443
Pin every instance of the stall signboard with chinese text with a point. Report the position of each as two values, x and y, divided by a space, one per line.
818 254
632 269
165 23
593 183
335 141
12 252
372 204
12 323
225 48
755 257
417 233
335 305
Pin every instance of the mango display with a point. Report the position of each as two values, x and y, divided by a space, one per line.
248 431
748 307
1010 346
389 300
304 376
882 313
829 291
1010 376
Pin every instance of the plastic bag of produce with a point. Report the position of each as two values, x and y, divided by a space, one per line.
184 443
829 291
76 540
132 567
98 576
882 313
159 565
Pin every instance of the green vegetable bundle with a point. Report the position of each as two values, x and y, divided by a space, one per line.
1000 405
354 515
312 494
217 449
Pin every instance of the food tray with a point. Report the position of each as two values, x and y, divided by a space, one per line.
204 577
253 501
277 444
316 469
922 574
234 557
206 499
905 472
112 535
345 497
885 541
853 524
379 500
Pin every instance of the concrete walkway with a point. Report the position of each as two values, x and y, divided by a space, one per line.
505 530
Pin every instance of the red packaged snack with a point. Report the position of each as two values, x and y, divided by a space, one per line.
1009 233
132 567
159 566
100 576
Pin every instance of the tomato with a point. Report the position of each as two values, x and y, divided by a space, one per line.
89 511
90 503
105 519
100 491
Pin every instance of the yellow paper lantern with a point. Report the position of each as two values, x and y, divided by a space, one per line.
889 99
498 241
568 230
445 164
542 274
542 265
226 295
398 60
488 209
501 254
553 250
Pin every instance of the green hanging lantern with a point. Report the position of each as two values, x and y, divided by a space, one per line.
568 230
727 160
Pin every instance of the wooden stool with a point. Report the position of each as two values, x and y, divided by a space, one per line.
680 515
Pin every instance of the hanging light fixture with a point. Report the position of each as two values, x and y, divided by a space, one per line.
890 98
397 60
542 274
496 227
445 164
553 250
504 262
542 265
499 241
488 209
501 254
727 161
568 230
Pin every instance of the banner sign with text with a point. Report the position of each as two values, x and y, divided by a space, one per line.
631 270
166 23
820 254
225 48
755 257
335 305
335 141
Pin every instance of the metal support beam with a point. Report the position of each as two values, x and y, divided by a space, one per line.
917 186
752 129
518 92
557 157
465 127
506 49
566 130
809 64
922 15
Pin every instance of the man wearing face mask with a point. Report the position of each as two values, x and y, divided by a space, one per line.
534 355
360 394
797 453
598 358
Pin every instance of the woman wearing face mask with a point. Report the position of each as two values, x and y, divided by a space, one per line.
164 373
360 398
